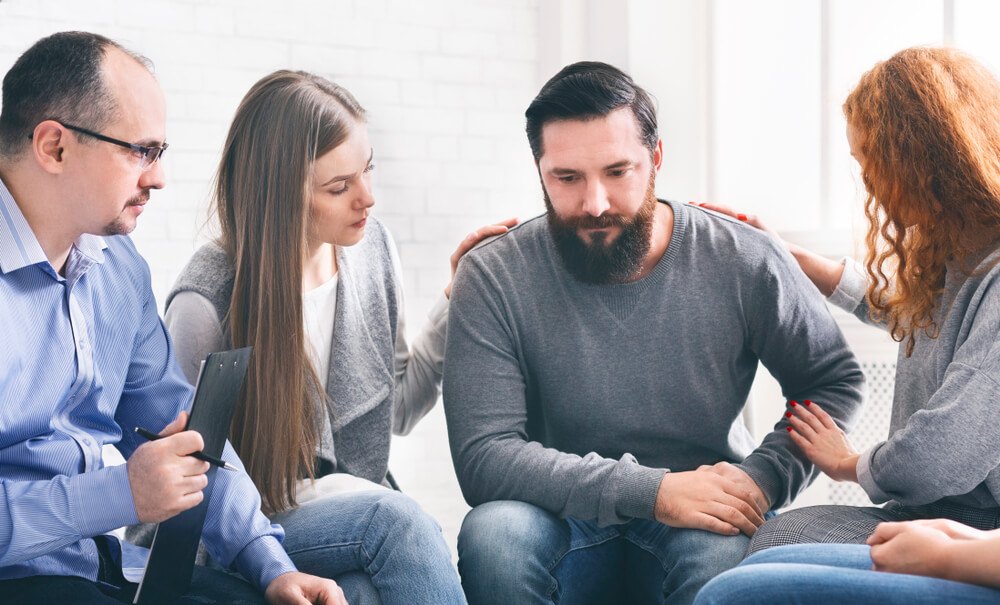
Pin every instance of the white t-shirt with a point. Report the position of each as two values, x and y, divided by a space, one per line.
318 312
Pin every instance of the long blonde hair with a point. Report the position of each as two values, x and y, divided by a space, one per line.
928 126
262 192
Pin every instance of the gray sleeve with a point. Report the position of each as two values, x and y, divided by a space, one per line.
486 410
795 337
850 293
418 369
949 447
195 329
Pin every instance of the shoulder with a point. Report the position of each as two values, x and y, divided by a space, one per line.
210 272
123 259
527 241
714 233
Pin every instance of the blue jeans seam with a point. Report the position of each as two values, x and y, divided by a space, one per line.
555 562
324 547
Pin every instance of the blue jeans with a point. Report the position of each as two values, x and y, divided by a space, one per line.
808 574
378 545
514 552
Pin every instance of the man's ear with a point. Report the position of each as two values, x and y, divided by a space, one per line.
48 146
658 155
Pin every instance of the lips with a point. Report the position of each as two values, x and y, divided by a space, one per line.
360 223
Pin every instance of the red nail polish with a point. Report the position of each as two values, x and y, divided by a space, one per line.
807 402
792 403
788 414
690 202
788 428
742 217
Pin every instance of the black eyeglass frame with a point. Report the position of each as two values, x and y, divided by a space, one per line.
147 161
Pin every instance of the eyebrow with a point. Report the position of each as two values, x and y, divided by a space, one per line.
615 166
344 177
621 164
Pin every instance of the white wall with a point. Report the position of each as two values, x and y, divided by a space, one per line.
445 82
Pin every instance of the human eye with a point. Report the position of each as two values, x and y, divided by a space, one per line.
370 167
620 172
567 178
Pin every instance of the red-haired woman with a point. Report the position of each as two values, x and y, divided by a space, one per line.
925 127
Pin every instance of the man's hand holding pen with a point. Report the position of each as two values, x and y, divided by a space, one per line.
164 478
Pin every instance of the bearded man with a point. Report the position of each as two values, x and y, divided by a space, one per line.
599 360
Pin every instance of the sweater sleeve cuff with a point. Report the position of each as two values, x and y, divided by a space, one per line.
865 478
764 475
110 487
637 497
851 288
263 560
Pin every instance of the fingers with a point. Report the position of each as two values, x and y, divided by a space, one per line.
713 524
733 513
820 414
176 426
802 443
877 553
333 596
805 414
183 443
801 426
512 221
885 532
720 208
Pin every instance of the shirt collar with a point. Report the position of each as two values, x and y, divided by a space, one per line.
20 248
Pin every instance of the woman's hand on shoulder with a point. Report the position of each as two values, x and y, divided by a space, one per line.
751 219
470 241
822 272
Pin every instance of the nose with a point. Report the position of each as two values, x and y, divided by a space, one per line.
595 201
365 197
153 178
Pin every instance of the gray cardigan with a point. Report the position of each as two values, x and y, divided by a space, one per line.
369 360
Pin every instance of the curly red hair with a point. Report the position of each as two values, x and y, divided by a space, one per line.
927 122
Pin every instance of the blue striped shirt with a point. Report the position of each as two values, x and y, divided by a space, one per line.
83 360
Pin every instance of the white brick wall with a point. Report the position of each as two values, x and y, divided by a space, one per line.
445 82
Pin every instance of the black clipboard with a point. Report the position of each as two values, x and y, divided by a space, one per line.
171 556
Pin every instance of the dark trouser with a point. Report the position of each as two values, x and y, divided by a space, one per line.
853 524
208 587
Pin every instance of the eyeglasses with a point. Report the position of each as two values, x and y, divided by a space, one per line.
150 155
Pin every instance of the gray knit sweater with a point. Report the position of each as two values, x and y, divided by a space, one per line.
944 432
577 398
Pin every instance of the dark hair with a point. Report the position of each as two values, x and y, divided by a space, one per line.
588 90
59 77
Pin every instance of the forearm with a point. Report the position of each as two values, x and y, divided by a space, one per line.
810 359
39 517
419 369
237 531
588 487
946 449
824 273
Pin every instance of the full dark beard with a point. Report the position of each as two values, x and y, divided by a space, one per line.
599 262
